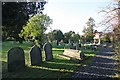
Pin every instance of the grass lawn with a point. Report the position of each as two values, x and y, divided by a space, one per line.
56 68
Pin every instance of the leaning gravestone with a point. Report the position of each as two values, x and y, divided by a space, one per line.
35 56
48 51
72 54
15 59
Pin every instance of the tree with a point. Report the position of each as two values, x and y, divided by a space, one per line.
67 36
75 38
84 29
112 20
35 28
15 15
71 37
50 37
88 33
90 23
106 37
58 35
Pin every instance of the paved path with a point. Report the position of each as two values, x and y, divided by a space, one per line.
102 65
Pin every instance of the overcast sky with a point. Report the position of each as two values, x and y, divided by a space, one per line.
72 15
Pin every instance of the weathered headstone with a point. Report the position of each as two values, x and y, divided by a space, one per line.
77 46
48 51
69 45
35 55
72 54
15 59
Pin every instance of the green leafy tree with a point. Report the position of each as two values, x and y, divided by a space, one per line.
35 28
106 37
67 36
58 35
50 37
89 30
16 14
75 38
71 37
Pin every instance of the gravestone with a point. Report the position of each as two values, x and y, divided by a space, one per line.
94 47
70 45
15 59
72 54
77 46
35 56
48 51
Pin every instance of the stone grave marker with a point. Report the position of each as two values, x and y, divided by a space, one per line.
35 55
77 46
69 45
48 51
15 59
94 47
72 54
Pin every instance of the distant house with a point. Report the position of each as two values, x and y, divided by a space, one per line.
97 36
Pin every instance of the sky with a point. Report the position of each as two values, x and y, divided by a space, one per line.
72 15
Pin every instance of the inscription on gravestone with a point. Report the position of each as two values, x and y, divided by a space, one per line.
35 56
48 51
15 59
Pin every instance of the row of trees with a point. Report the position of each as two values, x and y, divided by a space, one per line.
16 14
35 28
57 35
25 21
71 36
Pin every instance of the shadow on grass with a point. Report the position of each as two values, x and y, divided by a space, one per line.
56 68
102 66
58 50
60 64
